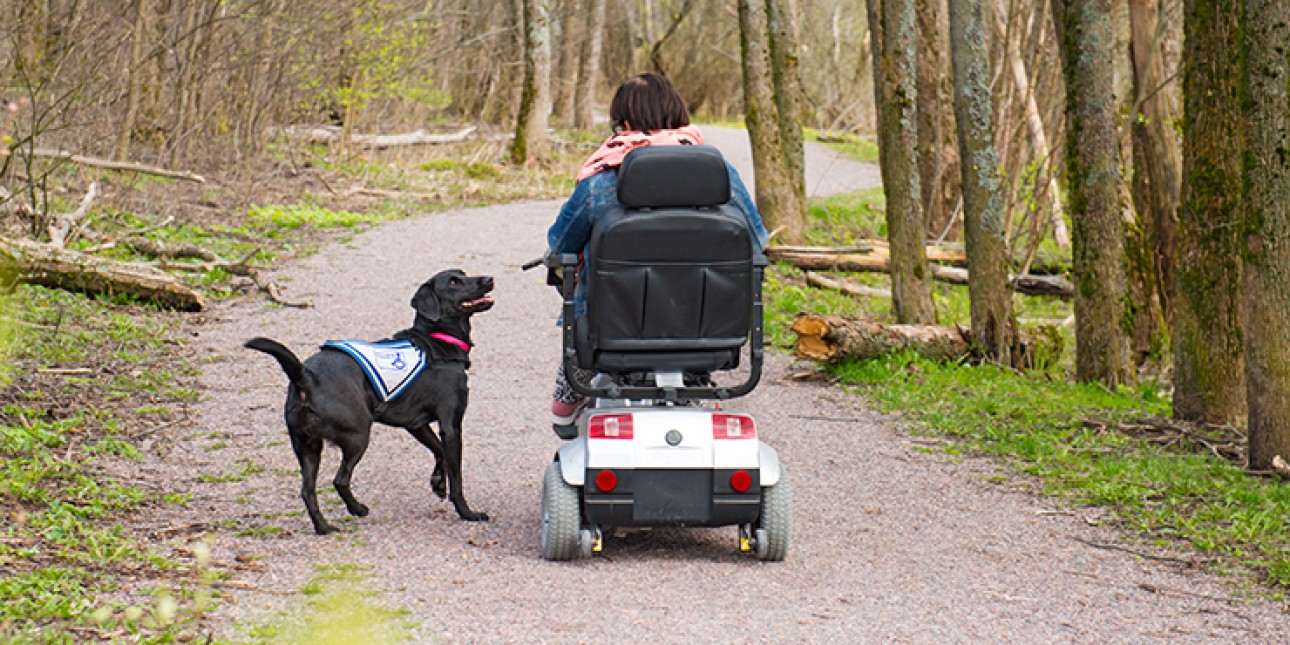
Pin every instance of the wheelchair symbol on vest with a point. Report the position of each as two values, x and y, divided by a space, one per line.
398 363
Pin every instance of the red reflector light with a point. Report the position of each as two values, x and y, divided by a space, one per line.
733 426
741 481
606 481
610 426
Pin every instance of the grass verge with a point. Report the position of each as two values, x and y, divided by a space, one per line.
86 379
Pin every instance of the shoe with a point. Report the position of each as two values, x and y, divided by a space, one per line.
565 431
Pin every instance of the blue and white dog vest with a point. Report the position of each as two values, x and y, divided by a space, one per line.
391 366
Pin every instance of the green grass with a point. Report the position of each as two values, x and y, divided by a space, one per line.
297 215
66 528
847 218
338 609
858 147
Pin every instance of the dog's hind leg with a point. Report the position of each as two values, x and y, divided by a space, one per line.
309 453
351 453
425 434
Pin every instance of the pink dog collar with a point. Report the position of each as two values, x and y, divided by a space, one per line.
451 340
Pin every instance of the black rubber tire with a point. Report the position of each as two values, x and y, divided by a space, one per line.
776 520
561 516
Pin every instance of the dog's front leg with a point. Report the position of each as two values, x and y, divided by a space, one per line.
425 434
450 433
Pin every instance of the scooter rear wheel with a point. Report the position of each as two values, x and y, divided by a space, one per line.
561 516
775 525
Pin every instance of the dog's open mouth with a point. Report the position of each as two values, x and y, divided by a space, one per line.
478 304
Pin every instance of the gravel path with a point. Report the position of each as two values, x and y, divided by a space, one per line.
889 544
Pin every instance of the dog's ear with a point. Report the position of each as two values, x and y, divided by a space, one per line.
426 302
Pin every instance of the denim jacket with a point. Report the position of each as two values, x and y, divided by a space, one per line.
598 194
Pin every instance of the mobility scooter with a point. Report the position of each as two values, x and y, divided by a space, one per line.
673 295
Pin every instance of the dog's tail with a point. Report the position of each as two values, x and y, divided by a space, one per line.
295 370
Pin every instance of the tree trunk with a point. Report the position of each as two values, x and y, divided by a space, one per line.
761 114
1267 230
786 75
564 75
535 99
938 171
1093 180
1157 170
589 65
891 25
135 75
1209 371
990 302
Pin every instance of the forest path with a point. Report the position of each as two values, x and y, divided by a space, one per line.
889 543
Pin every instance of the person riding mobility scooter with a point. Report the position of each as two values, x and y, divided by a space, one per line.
673 294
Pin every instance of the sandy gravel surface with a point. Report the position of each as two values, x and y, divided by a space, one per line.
889 544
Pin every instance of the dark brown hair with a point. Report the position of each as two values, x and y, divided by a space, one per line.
647 102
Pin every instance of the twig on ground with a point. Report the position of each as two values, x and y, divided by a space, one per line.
1122 549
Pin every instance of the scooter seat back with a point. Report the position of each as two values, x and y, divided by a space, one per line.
670 272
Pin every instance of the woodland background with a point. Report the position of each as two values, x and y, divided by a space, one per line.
1131 151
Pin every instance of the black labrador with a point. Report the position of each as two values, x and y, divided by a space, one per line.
331 399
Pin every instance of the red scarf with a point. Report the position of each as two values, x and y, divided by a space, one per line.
612 151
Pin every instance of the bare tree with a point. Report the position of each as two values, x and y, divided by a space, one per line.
1266 59
993 327
135 74
938 173
564 75
891 23
1157 174
761 113
535 99
1093 181
1209 371
784 66
589 65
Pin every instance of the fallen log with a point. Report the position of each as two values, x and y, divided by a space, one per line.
827 338
124 166
329 134
851 289
1031 285
50 266
1280 466
776 249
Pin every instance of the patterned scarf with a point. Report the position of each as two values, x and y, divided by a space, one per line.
612 151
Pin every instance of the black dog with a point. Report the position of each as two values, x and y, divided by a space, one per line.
331 399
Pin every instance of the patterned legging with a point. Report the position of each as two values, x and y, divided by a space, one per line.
564 392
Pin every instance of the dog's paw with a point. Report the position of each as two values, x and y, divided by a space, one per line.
324 529
357 510
475 516
439 485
